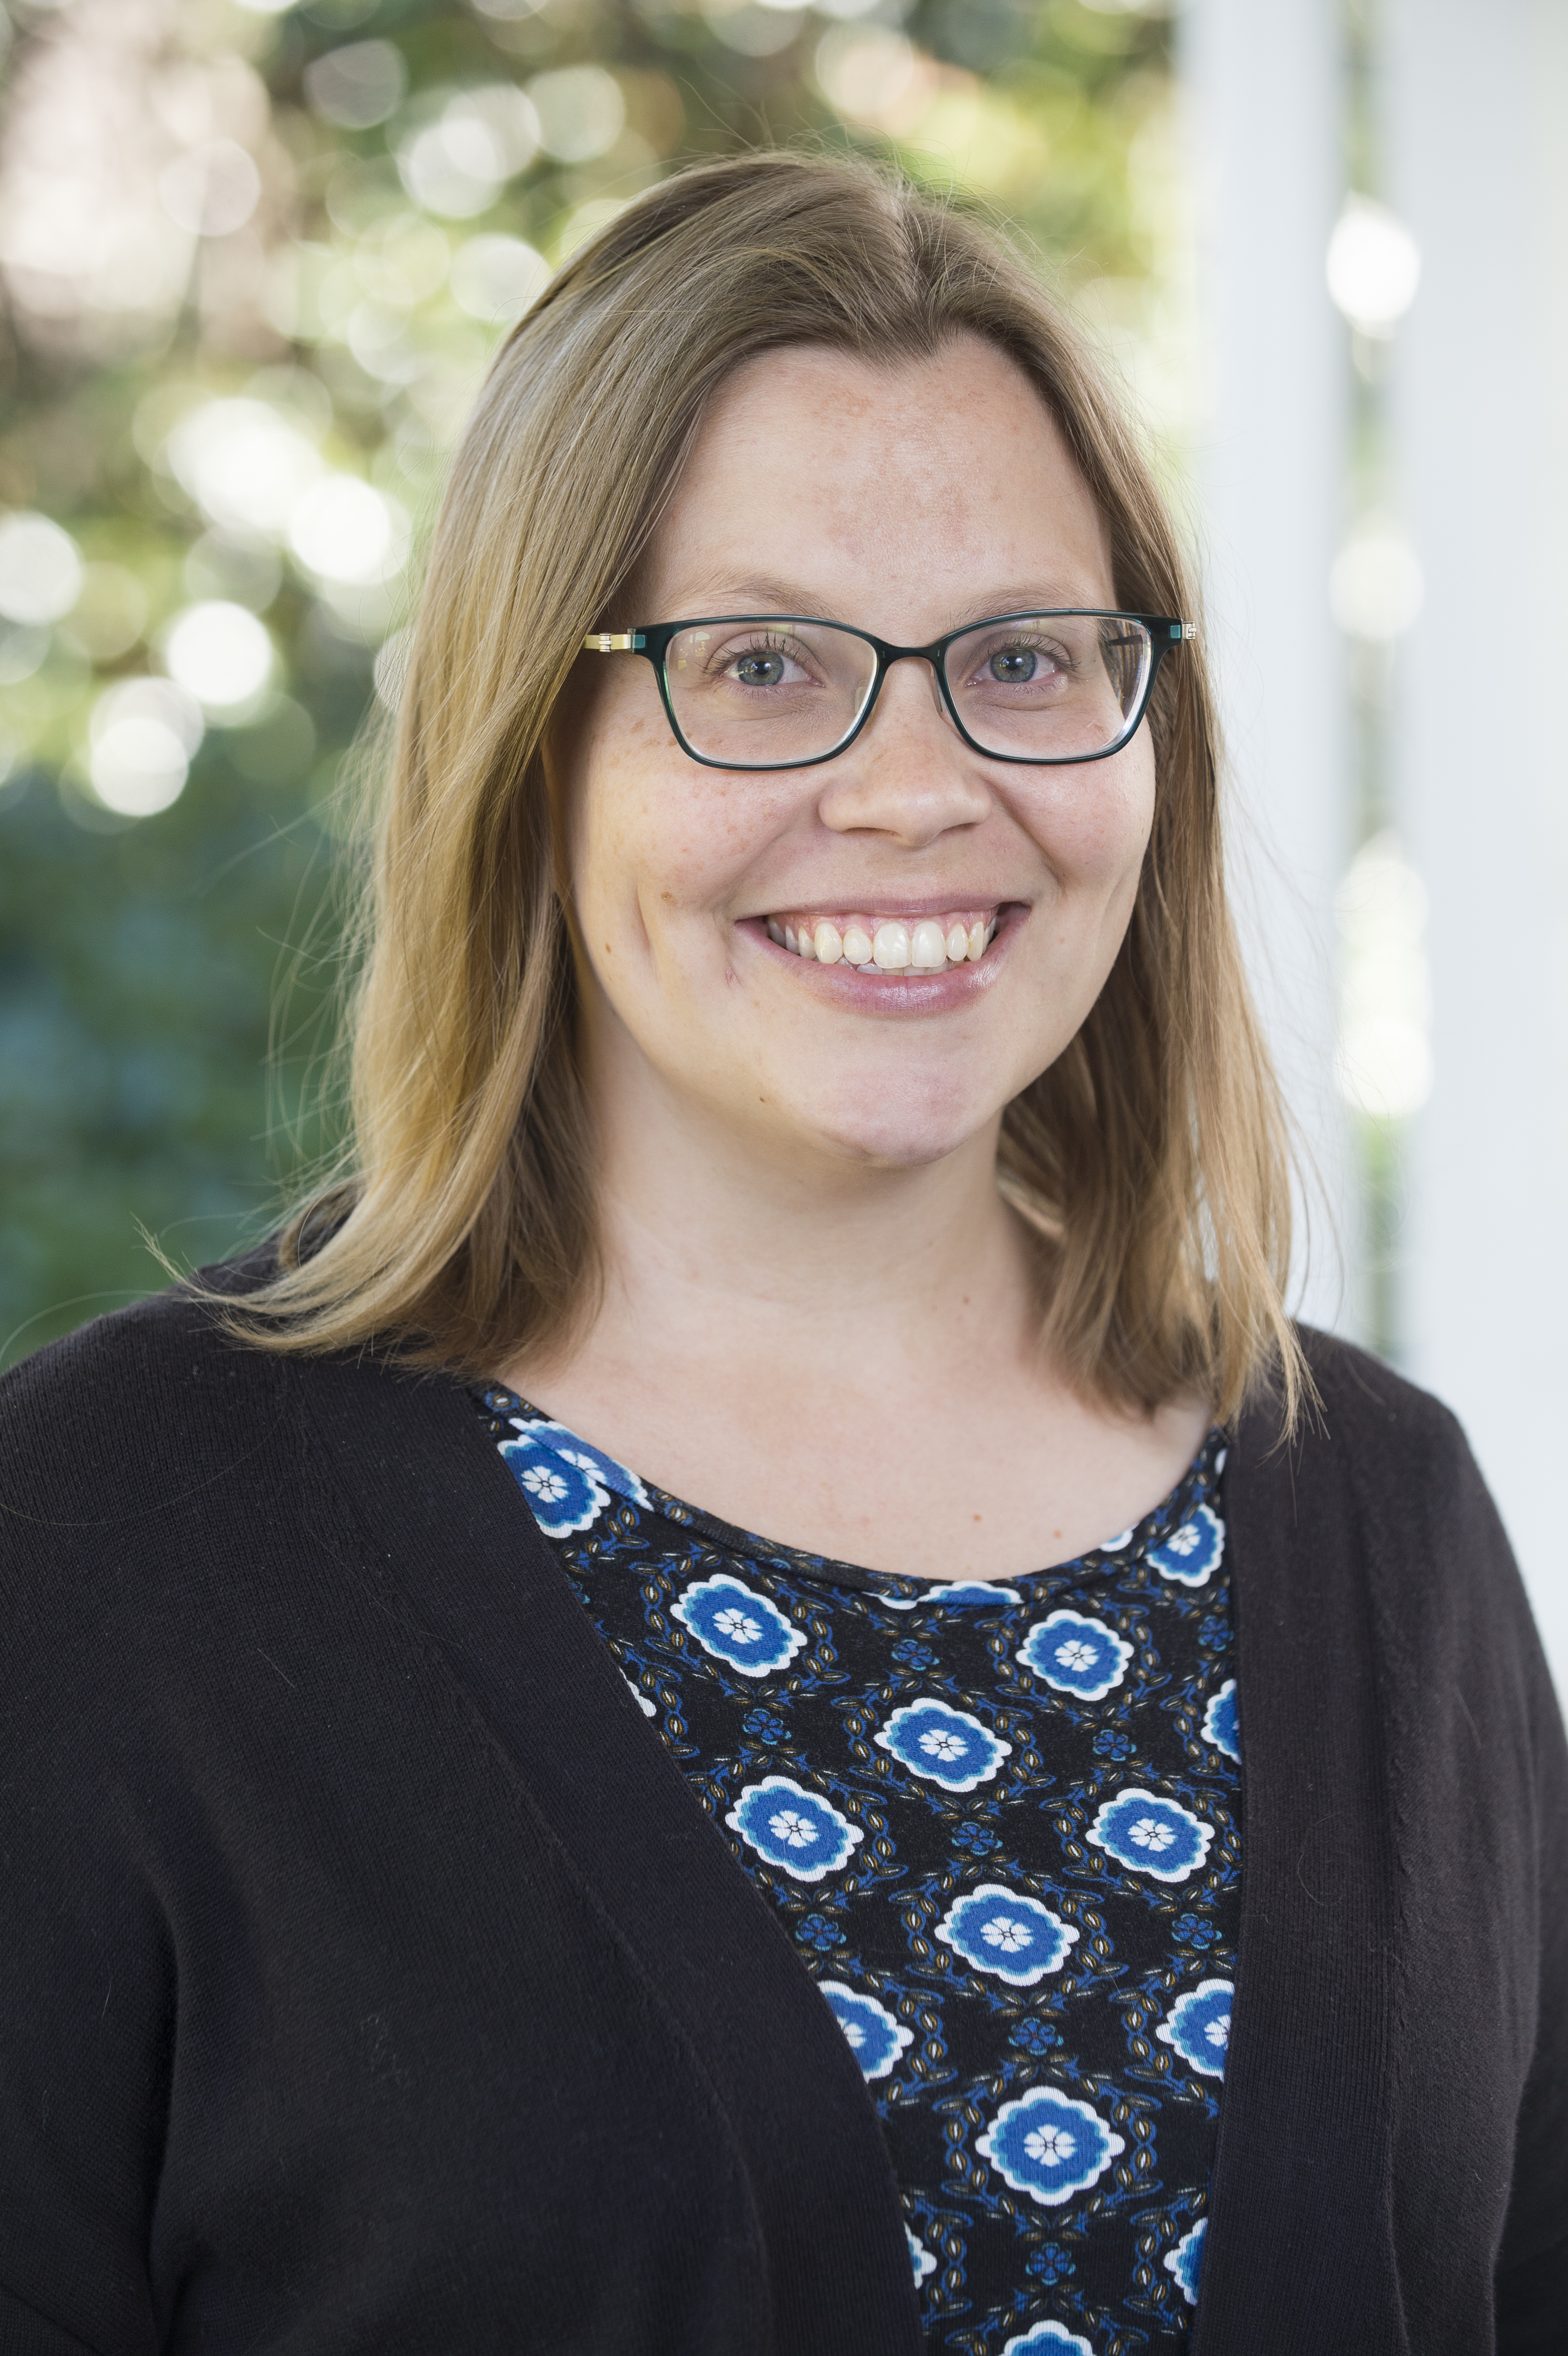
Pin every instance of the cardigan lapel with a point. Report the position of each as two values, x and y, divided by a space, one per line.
444 1518
1299 2254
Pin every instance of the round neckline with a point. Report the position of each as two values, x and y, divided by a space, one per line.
1200 1477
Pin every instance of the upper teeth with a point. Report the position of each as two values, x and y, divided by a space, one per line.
928 945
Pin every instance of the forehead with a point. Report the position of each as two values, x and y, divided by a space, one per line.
904 496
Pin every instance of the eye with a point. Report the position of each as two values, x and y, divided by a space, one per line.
759 669
772 661
1019 661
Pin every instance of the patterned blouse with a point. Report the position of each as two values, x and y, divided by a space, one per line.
1000 1823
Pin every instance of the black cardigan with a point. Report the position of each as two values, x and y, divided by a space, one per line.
372 1981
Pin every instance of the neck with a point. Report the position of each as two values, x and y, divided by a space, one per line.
720 1242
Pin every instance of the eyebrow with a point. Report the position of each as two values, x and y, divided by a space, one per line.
760 596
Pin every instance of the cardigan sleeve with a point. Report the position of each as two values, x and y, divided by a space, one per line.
1533 2264
86 2003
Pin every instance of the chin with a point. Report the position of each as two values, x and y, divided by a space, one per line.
907 1136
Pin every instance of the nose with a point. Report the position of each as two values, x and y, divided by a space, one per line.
909 775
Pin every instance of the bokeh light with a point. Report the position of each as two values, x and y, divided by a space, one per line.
345 529
754 28
1384 1064
1376 589
1373 266
580 112
219 653
359 86
143 732
211 191
40 568
869 75
496 278
457 165
244 463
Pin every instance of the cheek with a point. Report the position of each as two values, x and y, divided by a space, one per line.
656 843
1094 833
613 788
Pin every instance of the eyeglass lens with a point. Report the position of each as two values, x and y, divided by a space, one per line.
1039 687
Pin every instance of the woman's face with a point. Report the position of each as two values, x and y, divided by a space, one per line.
907 500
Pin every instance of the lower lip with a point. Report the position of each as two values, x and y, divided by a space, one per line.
870 992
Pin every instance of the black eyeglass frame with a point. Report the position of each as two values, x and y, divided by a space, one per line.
653 641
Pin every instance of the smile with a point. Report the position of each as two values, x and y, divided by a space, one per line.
888 943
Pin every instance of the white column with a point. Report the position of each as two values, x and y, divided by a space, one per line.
1263 102
1479 148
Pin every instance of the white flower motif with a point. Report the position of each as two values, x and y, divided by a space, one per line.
1048 2144
1006 1933
1150 1834
877 2038
951 1747
1198 2027
546 1486
1075 1654
791 1827
745 1630
1194 1551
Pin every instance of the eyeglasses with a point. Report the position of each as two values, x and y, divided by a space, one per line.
786 691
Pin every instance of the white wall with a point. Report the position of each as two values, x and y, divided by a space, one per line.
1478 129
1263 102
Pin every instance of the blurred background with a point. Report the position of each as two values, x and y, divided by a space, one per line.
254 258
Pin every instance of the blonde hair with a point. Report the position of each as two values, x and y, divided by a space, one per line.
460 1226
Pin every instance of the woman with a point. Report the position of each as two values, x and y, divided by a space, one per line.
632 1739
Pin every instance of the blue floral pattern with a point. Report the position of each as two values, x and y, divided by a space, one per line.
949 1746
796 1830
1076 1655
735 1625
1006 1933
998 1821
1148 1833
1049 2145
1193 1551
1198 2026
567 1482
876 2036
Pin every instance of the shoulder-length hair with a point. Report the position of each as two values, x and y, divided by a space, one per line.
459 1228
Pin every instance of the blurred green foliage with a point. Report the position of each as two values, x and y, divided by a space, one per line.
329 213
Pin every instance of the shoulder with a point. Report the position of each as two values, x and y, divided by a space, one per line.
1378 1496
1375 1440
116 1408
149 1458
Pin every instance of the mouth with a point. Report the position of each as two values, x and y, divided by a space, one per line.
902 946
